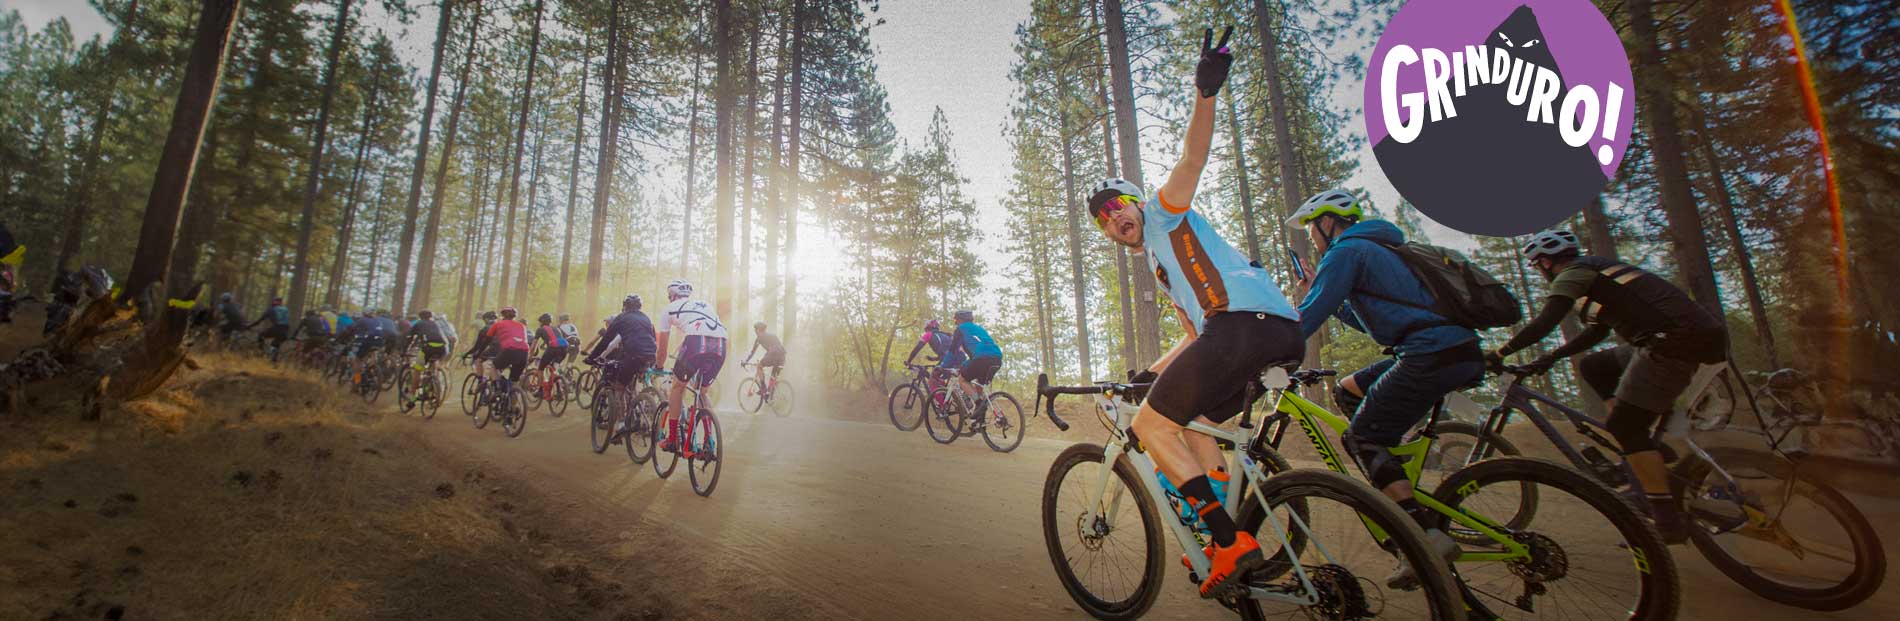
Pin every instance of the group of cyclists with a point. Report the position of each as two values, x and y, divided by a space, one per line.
1238 322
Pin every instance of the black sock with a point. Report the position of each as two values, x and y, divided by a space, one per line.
1427 519
1659 503
1200 495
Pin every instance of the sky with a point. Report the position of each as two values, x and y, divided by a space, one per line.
953 55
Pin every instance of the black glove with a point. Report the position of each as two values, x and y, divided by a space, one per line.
1216 60
1539 366
1145 376
1493 361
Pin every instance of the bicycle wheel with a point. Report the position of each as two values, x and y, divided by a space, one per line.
1790 539
485 409
908 405
471 393
605 418
1452 451
515 412
945 418
1713 409
387 373
371 386
1003 424
781 402
1333 511
751 395
639 434
556 392
432 388
405 389
587 382
1580 554
664 458
705 445
1096 545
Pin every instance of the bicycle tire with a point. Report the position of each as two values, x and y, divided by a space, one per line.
515 411
751 395
370 386
405 388
432 389
943 421
485 408
640 423
782 399
602 420
664 461
1003 424
471 394
557 401
1143 595
1661 588
1440 588
703 436
913 405
1860 584
1452 433
1273 464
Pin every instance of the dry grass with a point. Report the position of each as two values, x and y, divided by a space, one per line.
244 491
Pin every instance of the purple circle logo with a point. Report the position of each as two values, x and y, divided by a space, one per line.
1499 117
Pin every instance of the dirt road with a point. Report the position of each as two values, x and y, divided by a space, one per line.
818 518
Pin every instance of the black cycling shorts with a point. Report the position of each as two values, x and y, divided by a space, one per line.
553 355
627 371
1210 377
773 360
514 361
981 370
434 350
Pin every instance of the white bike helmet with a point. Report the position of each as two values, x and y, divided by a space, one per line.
1335 202
679 288
1552 244
1110 188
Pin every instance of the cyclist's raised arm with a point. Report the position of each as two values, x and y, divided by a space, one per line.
921 341
1177 194
1555 307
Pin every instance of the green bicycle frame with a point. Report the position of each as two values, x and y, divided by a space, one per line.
1311 416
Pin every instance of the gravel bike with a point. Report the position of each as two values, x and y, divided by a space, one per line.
954 415
494 402
1104 510
775 393
422 385
1780 533
695 437
912 399
624 414
545 385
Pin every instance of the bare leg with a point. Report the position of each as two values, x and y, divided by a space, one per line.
1164 440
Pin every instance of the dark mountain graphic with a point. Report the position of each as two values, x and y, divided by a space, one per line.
1488 171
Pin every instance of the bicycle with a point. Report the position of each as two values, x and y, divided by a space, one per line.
422 384
545 385
1512 554
909 401
700 442
1306 573
368 383
585 384
1738 502
775 392
510 405
636 429
953 416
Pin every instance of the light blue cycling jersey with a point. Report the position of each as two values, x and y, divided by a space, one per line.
1200 272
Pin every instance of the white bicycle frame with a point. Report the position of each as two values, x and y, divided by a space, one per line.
1110 505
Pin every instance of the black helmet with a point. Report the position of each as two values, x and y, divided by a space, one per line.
964 315
760 326
425 314
631 302
489 316
546 318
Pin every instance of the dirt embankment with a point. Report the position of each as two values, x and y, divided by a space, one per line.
243 491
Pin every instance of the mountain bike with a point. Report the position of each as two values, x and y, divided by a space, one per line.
545 385
585 383
1321 530
953 415
775 392
624 414
421 384
1782 534
912 399
698 441
510 405
368 383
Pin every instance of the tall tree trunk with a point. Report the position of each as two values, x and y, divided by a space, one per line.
301 276
81 209
376 251
414 200
1601 242
1078 285
775 175
574 177
179 157
514 174
1240 175
200 223
1147 321
748 127
692 169
1690 250
723 104
1290 191
794 138
425 260
334 290
527 228
1126 299
604 168
1725 208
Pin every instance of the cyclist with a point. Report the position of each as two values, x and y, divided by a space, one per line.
508 338
395 329
11 255
774 352
1368 287
629 336
947 358
557 343
1235 318
573 334
344 321
980 358
369 336
1668 337
279 331
230 318
448 330
318 328
480 351
702 346
426 334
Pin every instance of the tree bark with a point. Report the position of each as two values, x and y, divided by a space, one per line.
425 260
1601 242
604 167
743 286
692 169
527 228
723 152
794 134
300 277
1147 320
82 200
1108 162
376 252
574 177
774 205
1078 284
334 290
1691 249
514 175
1240 175
1725 208
414 200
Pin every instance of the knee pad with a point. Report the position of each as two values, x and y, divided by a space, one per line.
1348 403
1632 426
1382 468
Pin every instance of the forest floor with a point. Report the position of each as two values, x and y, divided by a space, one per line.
244 491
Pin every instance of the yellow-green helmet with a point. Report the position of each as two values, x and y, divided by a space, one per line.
1335 202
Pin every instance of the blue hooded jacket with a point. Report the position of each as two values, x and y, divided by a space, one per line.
1358 261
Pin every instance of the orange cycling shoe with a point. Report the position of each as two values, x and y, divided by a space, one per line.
1231 561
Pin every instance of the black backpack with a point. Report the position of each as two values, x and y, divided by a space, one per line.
1465 294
